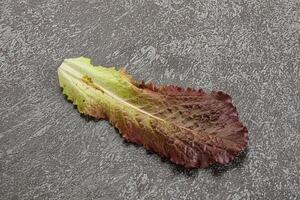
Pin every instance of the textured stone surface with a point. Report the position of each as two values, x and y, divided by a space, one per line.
251 50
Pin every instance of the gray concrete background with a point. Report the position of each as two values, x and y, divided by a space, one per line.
250 49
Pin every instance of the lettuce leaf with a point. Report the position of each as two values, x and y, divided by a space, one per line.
190 127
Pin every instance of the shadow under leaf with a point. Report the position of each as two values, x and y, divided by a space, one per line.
219 169
216 169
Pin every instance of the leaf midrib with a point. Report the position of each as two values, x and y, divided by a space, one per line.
77 75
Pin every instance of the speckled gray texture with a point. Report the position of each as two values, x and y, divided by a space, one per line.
250 49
